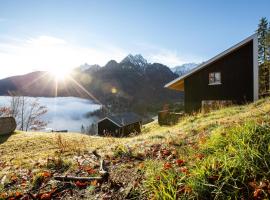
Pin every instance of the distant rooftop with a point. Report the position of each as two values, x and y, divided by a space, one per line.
124 119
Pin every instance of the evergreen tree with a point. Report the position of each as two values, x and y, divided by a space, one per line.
264 57
82 129
262 34
267 41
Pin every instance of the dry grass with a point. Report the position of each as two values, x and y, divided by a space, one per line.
24 149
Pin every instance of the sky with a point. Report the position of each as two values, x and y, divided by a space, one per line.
60 35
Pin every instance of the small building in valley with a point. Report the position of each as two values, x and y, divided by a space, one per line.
231 77
120 125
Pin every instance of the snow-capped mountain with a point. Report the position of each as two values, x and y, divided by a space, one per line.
183 69
137 60
86 67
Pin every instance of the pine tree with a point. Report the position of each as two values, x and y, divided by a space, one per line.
82 129
267 43
264 53
262 34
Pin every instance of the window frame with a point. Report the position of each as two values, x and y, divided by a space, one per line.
215 79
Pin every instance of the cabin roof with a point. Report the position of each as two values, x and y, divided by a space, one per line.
123 119
178 82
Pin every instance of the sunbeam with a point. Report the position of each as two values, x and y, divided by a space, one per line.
86 91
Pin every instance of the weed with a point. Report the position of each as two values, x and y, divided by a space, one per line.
38 180
58 164
122 151
61 143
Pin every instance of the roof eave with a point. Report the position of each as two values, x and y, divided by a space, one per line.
111 121
224 53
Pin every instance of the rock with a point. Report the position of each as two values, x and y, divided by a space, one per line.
7 125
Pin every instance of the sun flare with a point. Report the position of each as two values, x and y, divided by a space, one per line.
60 75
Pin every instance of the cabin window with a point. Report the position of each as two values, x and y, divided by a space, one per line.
214 78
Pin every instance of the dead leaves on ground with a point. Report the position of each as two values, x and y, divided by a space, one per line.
261 190
87 165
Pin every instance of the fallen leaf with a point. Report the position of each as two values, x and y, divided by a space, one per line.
257 193
18 194
199 156
166 152
45 196
80 184
90 170
167 165
179 162
94 182
47 174
141 166
14 178
184 170
252 184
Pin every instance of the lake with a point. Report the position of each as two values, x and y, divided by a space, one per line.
64 113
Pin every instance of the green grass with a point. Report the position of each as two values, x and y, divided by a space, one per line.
235 146
226 153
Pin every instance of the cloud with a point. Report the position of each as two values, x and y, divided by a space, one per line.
167 57
49 53
171 58
46 41
44 52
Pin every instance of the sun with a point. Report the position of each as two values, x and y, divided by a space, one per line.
60 74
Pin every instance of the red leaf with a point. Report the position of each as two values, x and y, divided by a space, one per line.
18 195
166 152
253 184
45 196
184 170
257 193
81 184
46 174
90 170
167 165
179 162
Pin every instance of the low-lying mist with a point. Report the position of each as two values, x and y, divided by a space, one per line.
64 113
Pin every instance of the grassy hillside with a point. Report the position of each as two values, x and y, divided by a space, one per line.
219 155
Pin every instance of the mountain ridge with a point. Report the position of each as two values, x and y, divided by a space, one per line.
184 68
130 85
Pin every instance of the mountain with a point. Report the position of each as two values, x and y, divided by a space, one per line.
183 69
39 84
136 60
87 68
130 85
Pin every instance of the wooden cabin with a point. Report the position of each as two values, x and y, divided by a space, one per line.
231 77
120 125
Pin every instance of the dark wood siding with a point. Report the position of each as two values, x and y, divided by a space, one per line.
236 77
107 127
132 128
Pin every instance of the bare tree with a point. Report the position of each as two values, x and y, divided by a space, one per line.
27 111
4 111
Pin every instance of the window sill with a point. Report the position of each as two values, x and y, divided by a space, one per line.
214 83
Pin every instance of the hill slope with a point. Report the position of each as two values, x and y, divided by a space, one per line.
131 85
216 155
